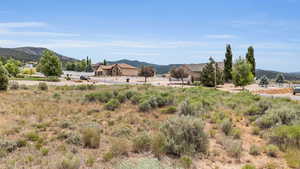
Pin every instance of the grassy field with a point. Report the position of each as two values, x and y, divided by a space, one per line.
145 127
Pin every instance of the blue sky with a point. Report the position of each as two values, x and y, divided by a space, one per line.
157 31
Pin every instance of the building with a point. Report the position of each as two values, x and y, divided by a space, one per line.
121 69
194 70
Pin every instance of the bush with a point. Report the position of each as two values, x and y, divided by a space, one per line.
43 86
32 136
186 109
122 97
226 126
103 97
286 136
3 78
119 147
236 133
254 150
112 105
169 110
14 85
69 162
145 106
248 166
8 146
292 158
186 162
185 135
233 147
141 143
158 144
272 150
91 135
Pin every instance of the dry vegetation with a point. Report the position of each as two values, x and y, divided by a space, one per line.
145 127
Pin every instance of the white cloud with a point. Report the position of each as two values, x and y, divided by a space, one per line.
21 24
222 36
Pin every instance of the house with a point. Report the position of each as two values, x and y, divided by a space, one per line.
30 65
121 69
194 70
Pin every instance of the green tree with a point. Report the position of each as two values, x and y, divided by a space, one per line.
241 73
12 66
71 66
3 77
279 78
104 62
147 71
50 64
264 81
228 64
179 73
251 59
3 60
211 75
89 67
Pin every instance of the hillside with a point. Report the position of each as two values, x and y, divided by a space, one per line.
28 54
161 69
272 74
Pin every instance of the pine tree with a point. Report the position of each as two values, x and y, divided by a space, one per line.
228 64
89 67
251 59
211 75
280 79
104 62
264 81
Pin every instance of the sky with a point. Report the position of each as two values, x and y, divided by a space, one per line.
157 31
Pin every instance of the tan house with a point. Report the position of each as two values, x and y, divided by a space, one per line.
121 69
194 70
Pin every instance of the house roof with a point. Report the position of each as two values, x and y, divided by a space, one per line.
121 65
199 67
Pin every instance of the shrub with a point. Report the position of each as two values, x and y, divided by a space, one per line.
186 109
169 110
91 135
158 144
14 85
74 139
145 106
272 150
3 78
130 93
119 147
43 86
122 97
226 126
69 162
107 156
112 105
233 147
286 136
32 136
292 158
44 151
103 97
248 166
236 133
254 150
186 162
185 135
141 143
135 99
8 146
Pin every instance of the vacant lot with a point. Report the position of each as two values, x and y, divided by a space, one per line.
137 127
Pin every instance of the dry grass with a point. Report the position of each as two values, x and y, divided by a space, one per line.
45 130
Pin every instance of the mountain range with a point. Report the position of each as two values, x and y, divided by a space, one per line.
26 54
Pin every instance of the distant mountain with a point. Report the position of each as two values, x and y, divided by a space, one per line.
28 54
272 74
161 69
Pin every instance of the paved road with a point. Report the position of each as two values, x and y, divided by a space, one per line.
297 97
